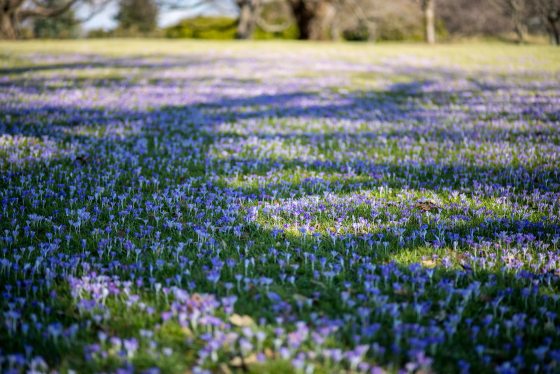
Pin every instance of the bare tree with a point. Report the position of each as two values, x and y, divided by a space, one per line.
465 18
517 11
322 19
428 8
428 11
355 16
313 17
549 12
14 12
248 13
270 15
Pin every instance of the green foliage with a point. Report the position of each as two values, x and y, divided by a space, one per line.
398 28
395 29
276 14
441 30
99 34
290 33
64 26
217 28
358 33
136 17
220 28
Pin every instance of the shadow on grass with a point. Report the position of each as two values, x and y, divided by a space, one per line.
312 296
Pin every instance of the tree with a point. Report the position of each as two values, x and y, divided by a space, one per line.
549 12
273 16
248 13
428 12
14 12
517 11
472 17
428 17
315 19
324 19
137 16
65 25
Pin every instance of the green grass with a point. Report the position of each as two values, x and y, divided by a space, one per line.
395 196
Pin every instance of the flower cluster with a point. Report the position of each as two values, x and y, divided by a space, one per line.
222 210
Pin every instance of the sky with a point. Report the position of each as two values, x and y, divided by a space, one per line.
106 18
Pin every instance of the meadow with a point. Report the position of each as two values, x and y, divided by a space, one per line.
221 207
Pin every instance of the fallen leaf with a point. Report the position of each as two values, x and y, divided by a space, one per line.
269 353
239 361
241 321
429 263
426 205
402 292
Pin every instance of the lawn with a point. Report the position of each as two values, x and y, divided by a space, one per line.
266 207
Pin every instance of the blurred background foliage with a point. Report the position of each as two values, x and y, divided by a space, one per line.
220 28
64 26
395 20
519 21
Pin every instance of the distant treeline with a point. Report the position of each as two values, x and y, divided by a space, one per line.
355 20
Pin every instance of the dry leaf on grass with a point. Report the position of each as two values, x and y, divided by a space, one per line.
429 263
239 361
427 205
241 321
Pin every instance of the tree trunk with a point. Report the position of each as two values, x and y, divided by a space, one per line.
521 31
555 35
314 18
324 18
247 18
553 30
428 8
8 25
303 17
517 11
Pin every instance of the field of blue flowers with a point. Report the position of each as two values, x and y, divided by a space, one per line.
279 208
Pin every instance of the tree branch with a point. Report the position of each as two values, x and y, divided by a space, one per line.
41 11
265 25
14 4
271 28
